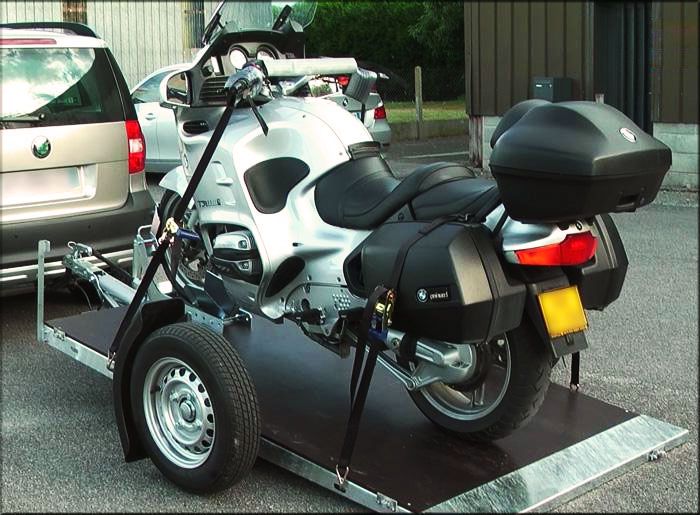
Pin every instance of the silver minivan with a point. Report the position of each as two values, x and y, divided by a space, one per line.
73 154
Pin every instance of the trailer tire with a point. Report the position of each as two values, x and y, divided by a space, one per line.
195 407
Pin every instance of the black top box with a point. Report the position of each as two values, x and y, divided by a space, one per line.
557 162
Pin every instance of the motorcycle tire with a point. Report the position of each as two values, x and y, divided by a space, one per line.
185 275
195 408
530 367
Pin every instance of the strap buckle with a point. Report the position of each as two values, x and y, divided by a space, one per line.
110 361
383 311
170 229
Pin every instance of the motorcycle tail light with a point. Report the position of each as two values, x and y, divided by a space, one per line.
343 80
379 113
136 145
575 249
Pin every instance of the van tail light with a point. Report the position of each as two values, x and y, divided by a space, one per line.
575 249
379 113
136 145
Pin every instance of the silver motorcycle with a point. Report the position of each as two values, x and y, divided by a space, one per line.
484 285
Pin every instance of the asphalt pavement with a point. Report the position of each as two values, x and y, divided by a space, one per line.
60 450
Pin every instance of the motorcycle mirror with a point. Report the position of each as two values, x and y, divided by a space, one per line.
175 90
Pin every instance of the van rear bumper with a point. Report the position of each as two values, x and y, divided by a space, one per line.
110 232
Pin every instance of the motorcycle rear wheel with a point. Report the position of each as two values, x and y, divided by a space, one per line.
513 389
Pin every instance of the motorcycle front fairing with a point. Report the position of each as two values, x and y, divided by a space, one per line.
249 166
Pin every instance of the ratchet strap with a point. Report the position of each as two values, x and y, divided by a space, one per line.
372 332
170 230
575 366
116 270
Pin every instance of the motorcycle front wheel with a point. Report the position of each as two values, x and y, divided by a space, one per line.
193 259
508 393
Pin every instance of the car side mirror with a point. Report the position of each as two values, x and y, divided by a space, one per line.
175 90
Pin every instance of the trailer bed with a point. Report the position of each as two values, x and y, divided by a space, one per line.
402 461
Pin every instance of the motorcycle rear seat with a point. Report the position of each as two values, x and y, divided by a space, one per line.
362 194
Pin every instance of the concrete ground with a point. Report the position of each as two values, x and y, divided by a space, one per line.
60 449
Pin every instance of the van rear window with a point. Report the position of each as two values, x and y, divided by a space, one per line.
44 87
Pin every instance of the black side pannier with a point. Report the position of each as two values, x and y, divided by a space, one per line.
600 280
452 287
556 162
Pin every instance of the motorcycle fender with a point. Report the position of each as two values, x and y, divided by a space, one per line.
175 180
563 345
151 316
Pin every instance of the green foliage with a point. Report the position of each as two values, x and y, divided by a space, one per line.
440 30
375 31
396 36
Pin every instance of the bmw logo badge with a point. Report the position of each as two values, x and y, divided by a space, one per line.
422 295
628 135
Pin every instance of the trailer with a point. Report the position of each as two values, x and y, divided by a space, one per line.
402 463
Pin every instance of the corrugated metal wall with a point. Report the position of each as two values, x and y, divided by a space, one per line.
675 62
143 36
508 43
14 11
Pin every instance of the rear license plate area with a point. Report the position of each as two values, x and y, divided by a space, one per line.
562 311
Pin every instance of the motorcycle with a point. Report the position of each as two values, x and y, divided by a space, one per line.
473 288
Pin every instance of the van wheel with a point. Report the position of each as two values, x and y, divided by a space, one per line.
506 393
195 407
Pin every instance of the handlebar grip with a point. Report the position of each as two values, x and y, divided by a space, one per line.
247 78
297 67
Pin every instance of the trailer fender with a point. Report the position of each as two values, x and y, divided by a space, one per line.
175 180
151 316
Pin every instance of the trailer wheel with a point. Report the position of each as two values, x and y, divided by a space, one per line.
195 407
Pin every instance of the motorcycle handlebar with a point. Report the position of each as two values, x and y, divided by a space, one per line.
298 67
248 81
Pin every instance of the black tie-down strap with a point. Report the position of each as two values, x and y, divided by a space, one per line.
167 237
372 331
575 366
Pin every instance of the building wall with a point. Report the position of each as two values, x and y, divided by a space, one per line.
675 62
15 11
508 43
143 36
682 139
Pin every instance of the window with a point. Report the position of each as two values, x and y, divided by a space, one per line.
74 86
149 91
75 10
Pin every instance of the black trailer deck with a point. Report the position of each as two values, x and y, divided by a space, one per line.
402 461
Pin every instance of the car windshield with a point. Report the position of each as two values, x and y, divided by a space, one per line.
57 86
257 15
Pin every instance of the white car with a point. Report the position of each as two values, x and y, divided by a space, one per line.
375 113
157 123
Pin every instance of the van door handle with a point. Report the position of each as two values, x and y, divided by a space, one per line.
149 116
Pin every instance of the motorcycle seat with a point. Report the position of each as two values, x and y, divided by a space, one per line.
363 194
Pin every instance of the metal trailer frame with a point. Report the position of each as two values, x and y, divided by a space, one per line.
542 484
